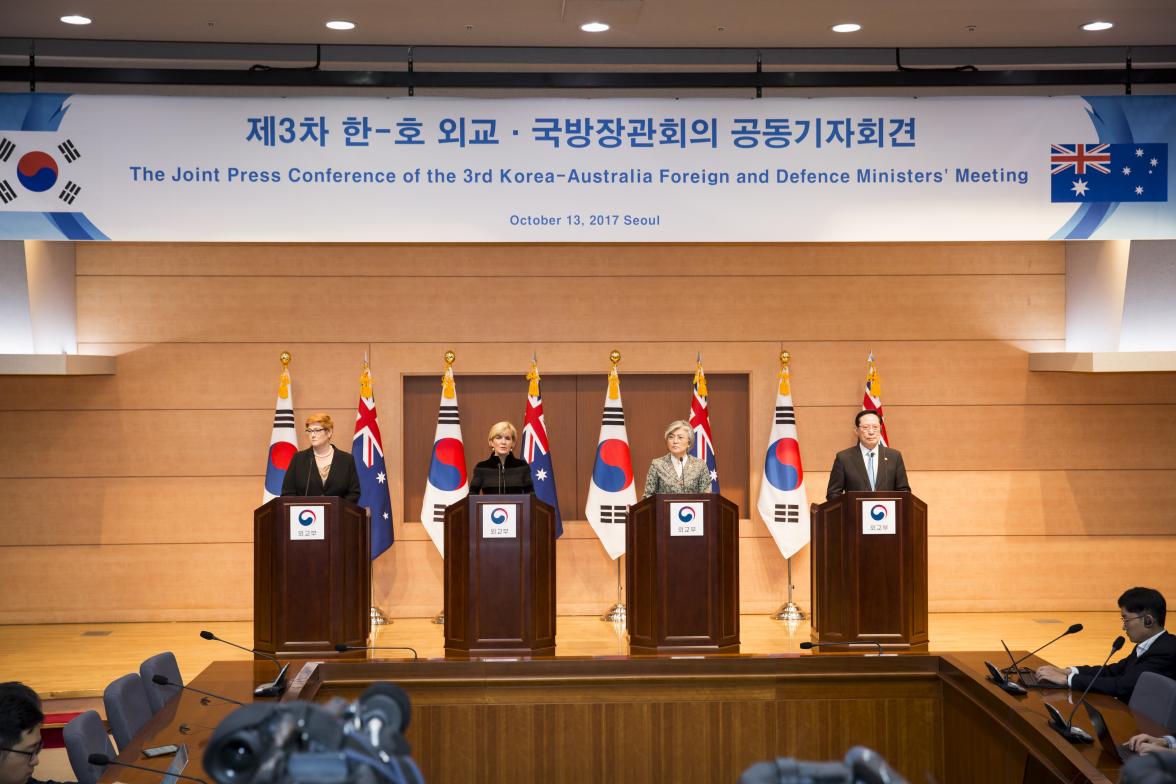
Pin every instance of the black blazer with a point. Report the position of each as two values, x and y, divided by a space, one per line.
302 476
1119 679
512 476
849 472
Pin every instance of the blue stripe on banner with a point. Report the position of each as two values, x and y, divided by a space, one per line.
32 111
75 226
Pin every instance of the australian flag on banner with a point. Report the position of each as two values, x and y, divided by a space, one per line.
537 449
368 451
1108 172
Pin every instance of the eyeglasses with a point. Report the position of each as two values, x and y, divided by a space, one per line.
30 754
1127 618
314 431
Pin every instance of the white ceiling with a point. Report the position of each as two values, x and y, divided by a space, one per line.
636 23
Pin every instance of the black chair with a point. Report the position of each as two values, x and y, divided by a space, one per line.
1155 697
127 708
160 664
86 735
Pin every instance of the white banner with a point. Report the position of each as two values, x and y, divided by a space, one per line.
574 170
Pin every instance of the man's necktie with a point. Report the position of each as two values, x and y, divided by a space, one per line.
870 468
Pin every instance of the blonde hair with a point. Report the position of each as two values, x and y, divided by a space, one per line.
678 424
321 419
499 428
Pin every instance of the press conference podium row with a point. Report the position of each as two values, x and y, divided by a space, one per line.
312 574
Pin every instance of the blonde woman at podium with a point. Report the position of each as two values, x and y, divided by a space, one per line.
502 473
679 471
322 469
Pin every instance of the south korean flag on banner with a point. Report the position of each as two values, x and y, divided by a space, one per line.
47 176
447 483
611 492
782 502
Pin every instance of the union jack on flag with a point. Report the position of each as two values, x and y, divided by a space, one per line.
537 449
704 448
368 451
1079 157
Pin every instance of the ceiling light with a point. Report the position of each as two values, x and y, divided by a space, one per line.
339 24
847 27
76 19
1094 27
594 27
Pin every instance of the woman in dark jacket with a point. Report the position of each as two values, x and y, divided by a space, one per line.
322 469
502 472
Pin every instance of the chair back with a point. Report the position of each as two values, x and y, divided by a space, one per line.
160 664
1155 697
86 735
127 708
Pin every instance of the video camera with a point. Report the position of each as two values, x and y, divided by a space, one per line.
305 743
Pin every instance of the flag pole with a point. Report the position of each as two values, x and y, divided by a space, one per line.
789 611
375 614
616 613
449 358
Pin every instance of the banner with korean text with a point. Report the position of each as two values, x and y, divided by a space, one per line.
357 169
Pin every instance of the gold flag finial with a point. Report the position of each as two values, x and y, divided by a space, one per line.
448 390
873 383
284 378
365 381
614 380
533 378
700 377
784 376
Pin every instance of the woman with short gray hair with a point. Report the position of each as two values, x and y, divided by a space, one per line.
678 471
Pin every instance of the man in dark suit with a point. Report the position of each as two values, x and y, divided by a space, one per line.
869 465
1143 611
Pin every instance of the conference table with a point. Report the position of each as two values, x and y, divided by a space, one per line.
681 719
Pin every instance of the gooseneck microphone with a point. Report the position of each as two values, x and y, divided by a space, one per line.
343 647
103 760
274 688
1012 669
1066 729
163 681
808 645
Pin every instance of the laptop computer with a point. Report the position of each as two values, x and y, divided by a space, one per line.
1026 676
1117 750
178 763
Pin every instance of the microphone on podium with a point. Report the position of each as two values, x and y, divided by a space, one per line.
1013 668
809 645
344 647
103 760
1065 728
163 681
274 688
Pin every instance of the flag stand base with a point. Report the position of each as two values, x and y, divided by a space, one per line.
615 614
788 612
439 618
378 618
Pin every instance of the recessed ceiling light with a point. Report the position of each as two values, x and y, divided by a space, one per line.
339 24
1094 27
594 27
76 19
848 27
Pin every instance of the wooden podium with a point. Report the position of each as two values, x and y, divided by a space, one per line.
312 576
499 577
869 570
682 573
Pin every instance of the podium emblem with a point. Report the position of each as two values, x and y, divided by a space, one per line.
686 518
878 517
306 522
499 522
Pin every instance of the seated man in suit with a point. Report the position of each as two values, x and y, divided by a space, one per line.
1143 611
20 733
869 465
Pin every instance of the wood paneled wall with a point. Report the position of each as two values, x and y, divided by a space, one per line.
130 497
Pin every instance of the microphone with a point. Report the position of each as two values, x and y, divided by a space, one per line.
1065 728
103 760
343 647
808 645
1016 689
163 681
274 688
1012 669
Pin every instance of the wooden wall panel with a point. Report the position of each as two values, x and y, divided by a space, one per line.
167 454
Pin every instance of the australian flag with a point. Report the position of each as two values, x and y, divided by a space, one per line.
704 449
368 450
537 449
1108 172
